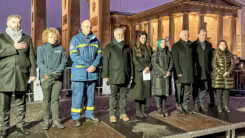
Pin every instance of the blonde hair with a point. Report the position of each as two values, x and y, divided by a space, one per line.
53 31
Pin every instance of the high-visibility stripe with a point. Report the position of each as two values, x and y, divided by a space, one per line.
94 45
79 66
89 108
72 51
99 51
82 45
71 75
76 110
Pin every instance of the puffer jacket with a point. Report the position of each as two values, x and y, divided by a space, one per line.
223 63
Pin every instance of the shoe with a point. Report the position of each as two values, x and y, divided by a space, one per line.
180 111
226 109
4 133
219 109
124 117
203 109
23 130
92 119
188 111
160 113
165 113
57 124
77 123
113 119
45 125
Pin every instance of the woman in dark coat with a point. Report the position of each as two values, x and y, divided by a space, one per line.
223 74
141 89
162 63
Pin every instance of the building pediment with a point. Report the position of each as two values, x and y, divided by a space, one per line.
221 2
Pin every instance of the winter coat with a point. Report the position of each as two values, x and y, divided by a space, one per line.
223 63
16 66
117 63
141 89
183 62
162 63
84 52
202 59
51 59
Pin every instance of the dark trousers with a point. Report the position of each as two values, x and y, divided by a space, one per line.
118 93
160 101
51 92
219 93
200 87
182 95
5 102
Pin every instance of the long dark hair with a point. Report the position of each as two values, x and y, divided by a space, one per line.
138 45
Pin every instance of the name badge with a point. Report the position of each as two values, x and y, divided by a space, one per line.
57 51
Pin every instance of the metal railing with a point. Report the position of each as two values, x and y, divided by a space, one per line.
239 81
66 86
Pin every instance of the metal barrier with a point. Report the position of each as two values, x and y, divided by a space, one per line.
239 81
66 86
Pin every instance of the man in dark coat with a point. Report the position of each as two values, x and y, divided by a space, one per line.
116 73
202 58
17 66
182 56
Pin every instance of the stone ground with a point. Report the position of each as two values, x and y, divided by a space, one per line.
34 116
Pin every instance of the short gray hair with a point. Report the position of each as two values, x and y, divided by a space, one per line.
14 16
183 31
202 30
118 29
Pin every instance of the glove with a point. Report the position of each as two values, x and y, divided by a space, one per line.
56 75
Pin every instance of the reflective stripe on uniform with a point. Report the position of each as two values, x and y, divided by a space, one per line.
71 75
88 108
94 45
99 51
76 110
82 45
72 51
79 66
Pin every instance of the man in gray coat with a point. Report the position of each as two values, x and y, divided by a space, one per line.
17 66
182 56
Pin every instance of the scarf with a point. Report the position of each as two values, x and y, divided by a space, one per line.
14 34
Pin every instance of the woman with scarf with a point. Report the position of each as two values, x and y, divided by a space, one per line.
141 89
223 74
162 63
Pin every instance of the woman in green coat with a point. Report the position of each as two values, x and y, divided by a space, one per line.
141 89
162 63
223 74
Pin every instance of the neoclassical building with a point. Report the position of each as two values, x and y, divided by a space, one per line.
220 18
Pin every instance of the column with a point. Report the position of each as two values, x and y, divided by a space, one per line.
159 29
185 21
233 34
171 30
201 22
149 33
38 21
132 35
220 28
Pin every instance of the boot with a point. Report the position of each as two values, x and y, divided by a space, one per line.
138 111
159 112
165 113
57 124
226 109
45 124
219 108
77 123
143 110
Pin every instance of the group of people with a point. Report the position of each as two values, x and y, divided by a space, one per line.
189 62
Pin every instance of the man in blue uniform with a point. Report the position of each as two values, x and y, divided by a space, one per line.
85 54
